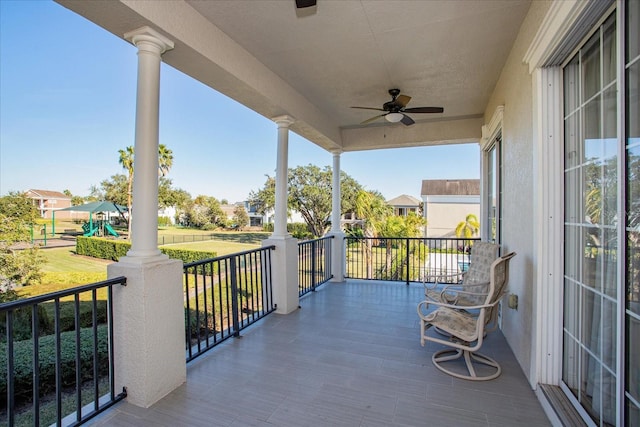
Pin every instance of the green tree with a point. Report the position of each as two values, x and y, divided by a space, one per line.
126 160
468 228
95 194
395 226
264 199
165 160
169 196
77 200
115 189
17 267
372 209
240 217
310 195
203 212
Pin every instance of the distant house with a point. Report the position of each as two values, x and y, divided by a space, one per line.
168 212
447 202
49 201
404 204
255 219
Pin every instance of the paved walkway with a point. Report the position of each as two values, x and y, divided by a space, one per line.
51 243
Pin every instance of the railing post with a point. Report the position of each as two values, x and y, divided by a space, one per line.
10 368
234 297
313 266
407 240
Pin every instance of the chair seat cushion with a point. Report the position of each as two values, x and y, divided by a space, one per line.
452 297
455 322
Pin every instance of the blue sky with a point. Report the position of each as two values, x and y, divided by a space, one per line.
67 105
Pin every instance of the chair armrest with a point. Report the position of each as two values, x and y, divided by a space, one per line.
450 293
426 304
441 278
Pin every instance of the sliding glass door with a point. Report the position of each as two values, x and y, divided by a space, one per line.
602 222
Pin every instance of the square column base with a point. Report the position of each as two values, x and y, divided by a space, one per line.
337 256
284 270
149 330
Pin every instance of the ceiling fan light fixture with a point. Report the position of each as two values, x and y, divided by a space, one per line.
394 117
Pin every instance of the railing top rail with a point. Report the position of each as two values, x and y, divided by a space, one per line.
121 280
316 240
415 238
221 257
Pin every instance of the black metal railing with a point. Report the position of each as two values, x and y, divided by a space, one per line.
314 264
170 239
224 295
58 352
405 259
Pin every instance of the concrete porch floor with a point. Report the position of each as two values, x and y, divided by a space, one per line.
350 356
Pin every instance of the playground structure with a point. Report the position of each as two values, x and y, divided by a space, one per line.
98 228
101 226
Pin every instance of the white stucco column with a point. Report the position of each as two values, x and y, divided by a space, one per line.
149 312
144 228
337 244
336 208
282 160
284 262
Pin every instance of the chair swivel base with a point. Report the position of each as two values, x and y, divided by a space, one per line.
454 354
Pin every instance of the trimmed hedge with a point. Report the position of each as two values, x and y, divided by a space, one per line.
101 248
23 361
114 249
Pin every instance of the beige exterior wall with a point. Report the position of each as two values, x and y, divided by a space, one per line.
443 218
514 90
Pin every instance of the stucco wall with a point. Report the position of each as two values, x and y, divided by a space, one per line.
514 91
442 219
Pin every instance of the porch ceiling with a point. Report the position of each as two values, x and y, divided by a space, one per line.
314 65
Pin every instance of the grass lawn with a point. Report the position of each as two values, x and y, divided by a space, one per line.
221 247
59 260
64 269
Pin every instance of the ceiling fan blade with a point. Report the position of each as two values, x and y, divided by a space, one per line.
406 120
372 119
369 108
301 4
403 100
424 110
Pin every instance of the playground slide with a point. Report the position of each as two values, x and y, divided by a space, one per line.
88 231
110 230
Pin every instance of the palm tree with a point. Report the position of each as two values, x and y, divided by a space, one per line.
165 160
468 228
372 209
126 160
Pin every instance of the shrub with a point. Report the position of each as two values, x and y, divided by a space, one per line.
23 361
300 230
114 249
101 248
164 221
22 323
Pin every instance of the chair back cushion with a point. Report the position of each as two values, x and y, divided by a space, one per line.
483 254
500 275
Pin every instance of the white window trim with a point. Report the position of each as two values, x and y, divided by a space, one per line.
548 193
489 133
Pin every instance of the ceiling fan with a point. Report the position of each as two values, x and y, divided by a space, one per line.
301 4
395 110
